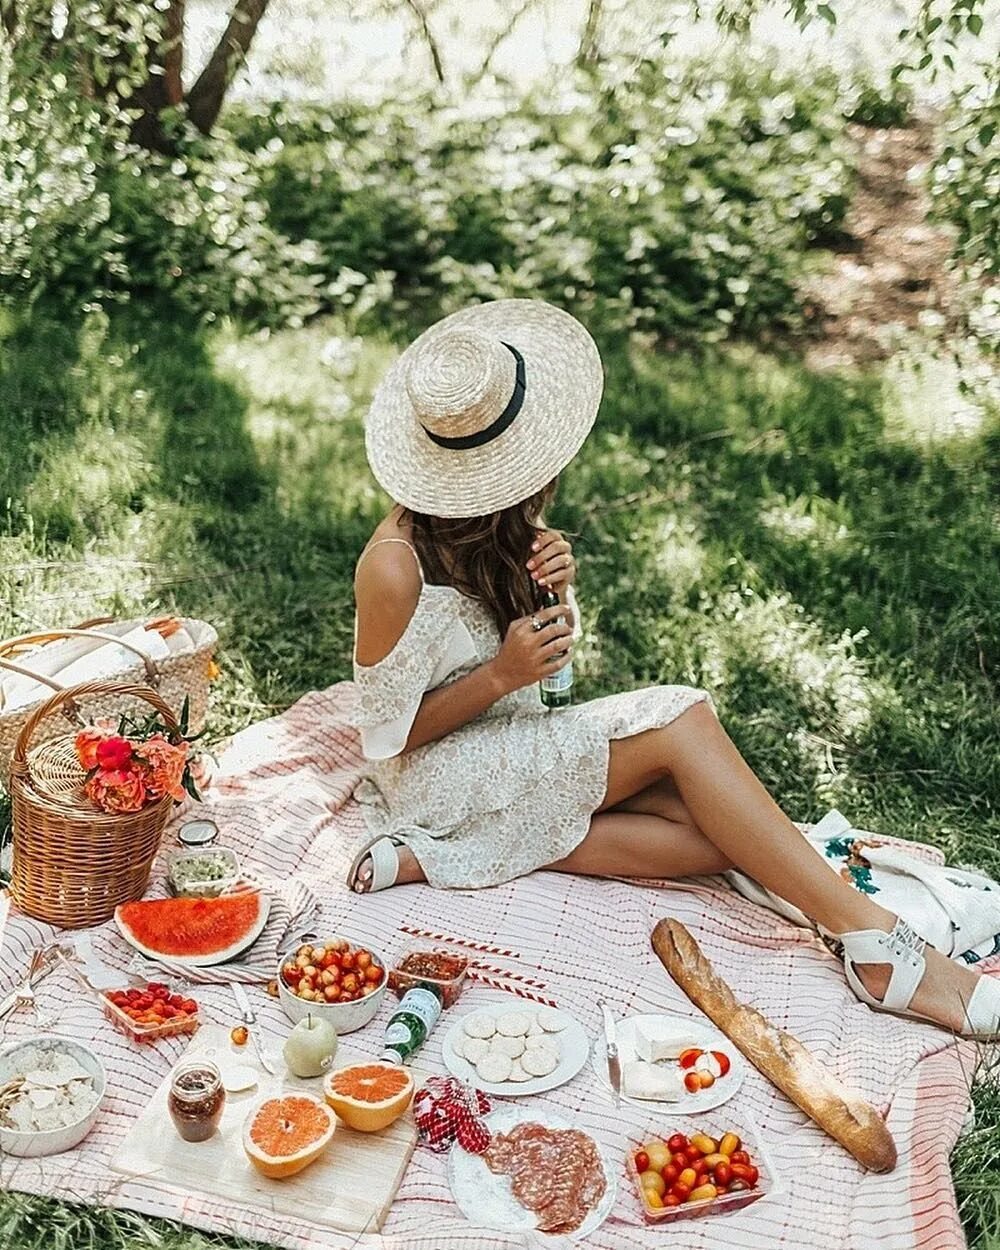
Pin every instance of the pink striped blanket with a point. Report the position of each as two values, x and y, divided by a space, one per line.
283 800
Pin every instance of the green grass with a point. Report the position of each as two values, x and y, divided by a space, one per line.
821 551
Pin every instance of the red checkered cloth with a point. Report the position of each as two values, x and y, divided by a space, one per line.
282 799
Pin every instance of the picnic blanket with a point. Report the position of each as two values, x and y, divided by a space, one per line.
282 798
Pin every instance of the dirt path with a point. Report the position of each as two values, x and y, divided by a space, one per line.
892 266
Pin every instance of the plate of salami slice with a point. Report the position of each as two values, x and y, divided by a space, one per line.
539 1174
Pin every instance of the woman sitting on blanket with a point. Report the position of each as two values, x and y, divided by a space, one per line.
471 780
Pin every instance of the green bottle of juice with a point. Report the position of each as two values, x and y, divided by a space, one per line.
557 690
410 1023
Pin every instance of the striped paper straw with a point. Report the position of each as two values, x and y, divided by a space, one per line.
493 983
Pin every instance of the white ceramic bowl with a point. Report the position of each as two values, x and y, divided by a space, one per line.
28 1145
345 1017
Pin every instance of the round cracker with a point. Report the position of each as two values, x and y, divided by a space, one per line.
514 1024
474 1049
553 1021
509 1046
518 1072
539 1061
494 1068
480 1024
536 1029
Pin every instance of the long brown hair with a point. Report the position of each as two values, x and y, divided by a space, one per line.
485 556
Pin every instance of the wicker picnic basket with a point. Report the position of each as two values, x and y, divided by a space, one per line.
175 677
73 863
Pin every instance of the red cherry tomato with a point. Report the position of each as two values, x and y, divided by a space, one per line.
723 1174
744 1172
688 1057
692 1082
679 1160
722 1060
677 1142
679 1191
693 1154
670 1173
641 1161
739 1156
671 1200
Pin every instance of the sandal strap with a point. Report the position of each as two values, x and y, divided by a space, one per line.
385 864
902 949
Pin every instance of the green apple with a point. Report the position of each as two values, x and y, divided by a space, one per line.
311 1047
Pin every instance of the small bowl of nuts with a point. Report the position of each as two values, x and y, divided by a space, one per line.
334 979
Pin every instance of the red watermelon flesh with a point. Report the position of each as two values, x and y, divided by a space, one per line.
196 931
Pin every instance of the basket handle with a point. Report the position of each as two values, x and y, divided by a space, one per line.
16 644
73 693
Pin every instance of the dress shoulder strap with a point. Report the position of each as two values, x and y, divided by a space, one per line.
402 541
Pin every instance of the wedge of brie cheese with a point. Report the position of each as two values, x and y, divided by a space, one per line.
647 1081
661 1038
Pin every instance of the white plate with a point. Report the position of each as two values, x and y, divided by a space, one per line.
486 1200
703 1035
574 1047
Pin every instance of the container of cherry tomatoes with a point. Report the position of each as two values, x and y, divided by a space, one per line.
151 1012
682 1173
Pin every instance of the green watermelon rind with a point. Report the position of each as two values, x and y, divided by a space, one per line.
203 959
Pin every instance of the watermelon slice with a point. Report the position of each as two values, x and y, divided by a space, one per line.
195 931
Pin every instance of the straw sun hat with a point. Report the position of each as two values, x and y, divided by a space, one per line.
484 408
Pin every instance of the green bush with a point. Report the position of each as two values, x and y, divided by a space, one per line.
680 203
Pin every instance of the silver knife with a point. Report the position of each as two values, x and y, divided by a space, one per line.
250 1020
611 1047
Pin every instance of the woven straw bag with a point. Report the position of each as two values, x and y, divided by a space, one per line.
73 863
175 677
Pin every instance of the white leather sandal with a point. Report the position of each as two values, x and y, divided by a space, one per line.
384 856
903 950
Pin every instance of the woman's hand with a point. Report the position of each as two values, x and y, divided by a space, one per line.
551 564
528 654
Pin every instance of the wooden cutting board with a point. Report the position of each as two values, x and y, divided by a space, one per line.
349 1188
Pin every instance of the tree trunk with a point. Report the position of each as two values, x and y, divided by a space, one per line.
162 88
589 52
205 98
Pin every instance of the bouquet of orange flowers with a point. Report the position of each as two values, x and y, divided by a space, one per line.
135 764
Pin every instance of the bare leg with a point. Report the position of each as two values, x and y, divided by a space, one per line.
623 845
730 806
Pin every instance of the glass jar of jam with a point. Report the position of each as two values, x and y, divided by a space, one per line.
196 1099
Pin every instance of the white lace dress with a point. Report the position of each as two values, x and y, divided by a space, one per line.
512 790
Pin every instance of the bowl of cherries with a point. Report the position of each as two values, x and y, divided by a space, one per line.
333 979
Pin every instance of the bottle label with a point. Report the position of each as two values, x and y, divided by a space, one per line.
398 1034
559 682
424 1004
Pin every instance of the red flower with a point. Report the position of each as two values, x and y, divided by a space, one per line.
117 790
87 742
114 753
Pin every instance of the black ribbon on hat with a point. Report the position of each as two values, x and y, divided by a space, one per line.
495 428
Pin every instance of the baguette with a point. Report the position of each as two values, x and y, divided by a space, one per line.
782 1058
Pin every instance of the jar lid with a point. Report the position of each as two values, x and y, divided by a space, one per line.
197 833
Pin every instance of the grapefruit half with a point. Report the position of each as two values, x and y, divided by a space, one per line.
369 1096
283 1135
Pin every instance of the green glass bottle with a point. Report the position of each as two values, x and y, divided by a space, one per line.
557 690
410 1023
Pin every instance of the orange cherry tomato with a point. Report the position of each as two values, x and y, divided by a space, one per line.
239 1036
641 1161
687 1057
722 1059
692 1083
677 1142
